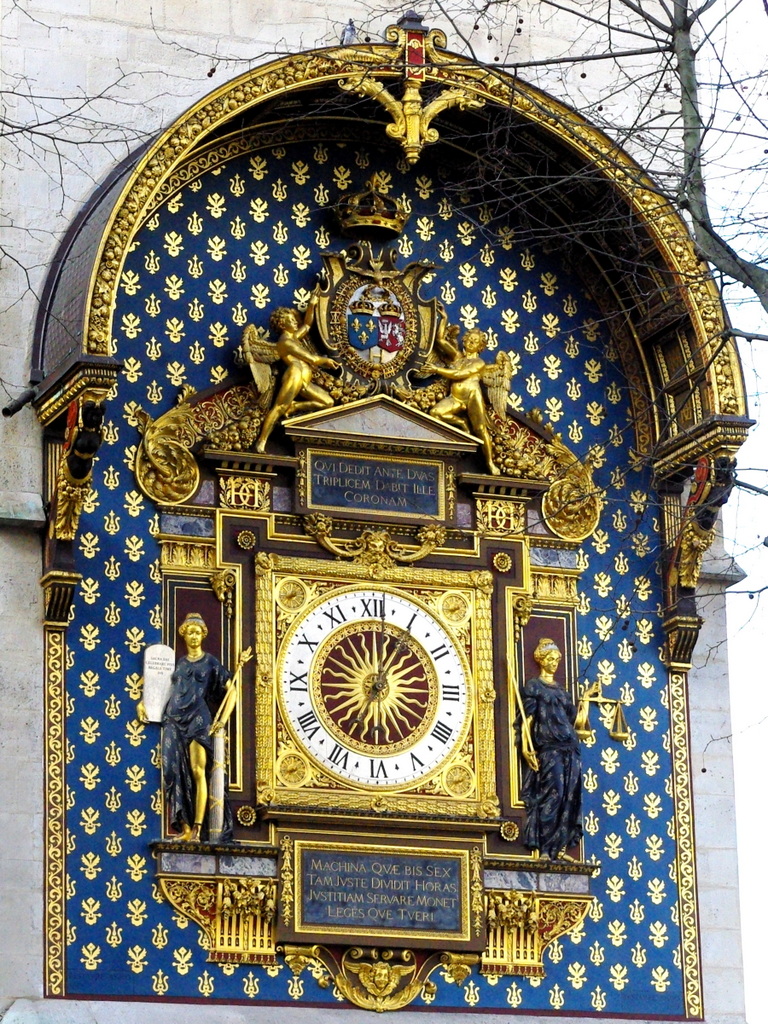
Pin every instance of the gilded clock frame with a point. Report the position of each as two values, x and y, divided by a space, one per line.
472 636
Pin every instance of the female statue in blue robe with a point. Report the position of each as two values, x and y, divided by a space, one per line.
550 747
187 746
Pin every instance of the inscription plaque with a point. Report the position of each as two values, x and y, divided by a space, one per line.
362 892
376 485
159 665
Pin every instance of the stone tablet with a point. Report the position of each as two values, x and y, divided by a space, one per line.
159 665
401 893
396 487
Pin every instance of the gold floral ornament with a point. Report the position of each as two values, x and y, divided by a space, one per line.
166 469
379 980
246 815
572 505
510 831
411 123
502 561
374 548
519 451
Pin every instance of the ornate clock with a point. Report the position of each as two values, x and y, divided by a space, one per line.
384 696
374 689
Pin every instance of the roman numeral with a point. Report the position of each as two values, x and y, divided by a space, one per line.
339 756
309 723
416 763
373 606
378 771
336 615
299 682
440 652
442 732
451 692
311 644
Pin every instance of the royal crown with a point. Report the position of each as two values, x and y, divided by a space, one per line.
389 309
362 307
371 212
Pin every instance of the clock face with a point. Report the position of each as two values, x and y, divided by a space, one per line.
373 687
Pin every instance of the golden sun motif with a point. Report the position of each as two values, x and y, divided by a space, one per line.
377 687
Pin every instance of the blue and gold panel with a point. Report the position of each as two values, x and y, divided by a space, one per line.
228 247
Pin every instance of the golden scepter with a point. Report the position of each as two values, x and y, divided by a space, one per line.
525 729
218 768
225 708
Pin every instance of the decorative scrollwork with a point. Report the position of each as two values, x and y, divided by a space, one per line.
373 548
378 979
223 585
522 608
236 914
573 504
522 924
411 120
166 469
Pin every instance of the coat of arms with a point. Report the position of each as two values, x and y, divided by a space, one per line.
370 314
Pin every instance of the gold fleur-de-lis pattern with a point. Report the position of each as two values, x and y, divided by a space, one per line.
225 250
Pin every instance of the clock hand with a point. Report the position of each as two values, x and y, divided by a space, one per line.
376 687
380 642
380 680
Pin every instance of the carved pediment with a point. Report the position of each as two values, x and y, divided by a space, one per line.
380 422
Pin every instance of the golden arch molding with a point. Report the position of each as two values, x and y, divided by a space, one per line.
716 373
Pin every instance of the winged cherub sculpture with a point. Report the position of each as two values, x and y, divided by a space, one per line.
297 392
468 372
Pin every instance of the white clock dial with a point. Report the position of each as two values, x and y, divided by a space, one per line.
373 687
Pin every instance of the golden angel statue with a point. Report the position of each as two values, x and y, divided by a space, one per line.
468 373
297 393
